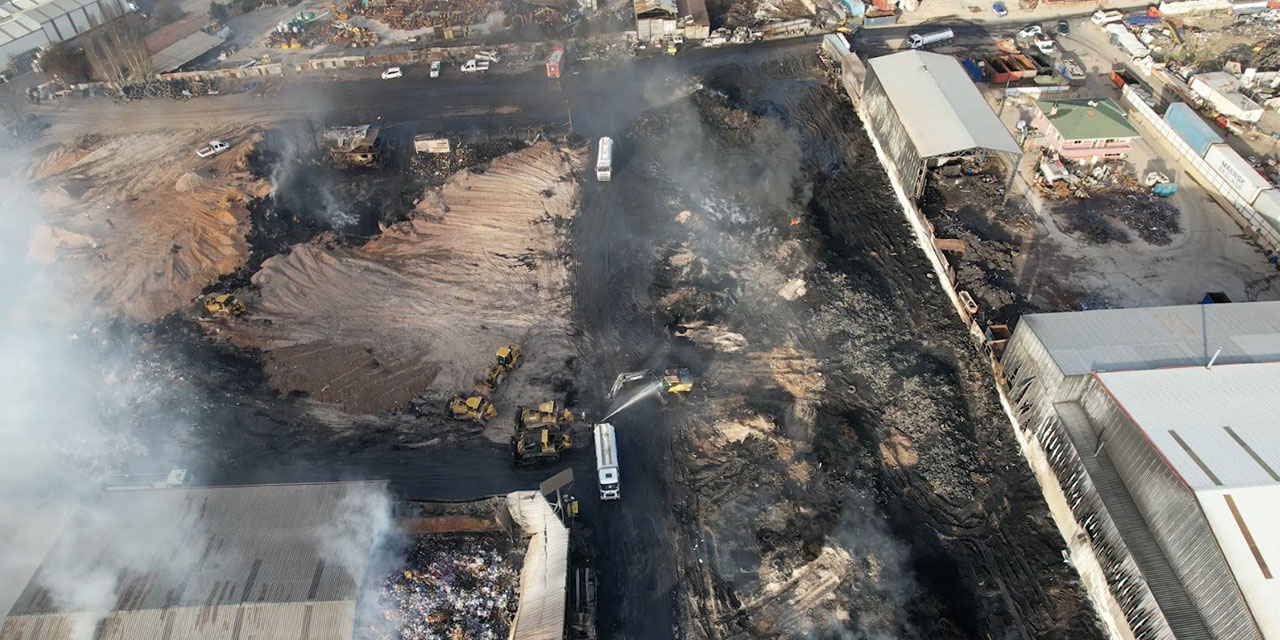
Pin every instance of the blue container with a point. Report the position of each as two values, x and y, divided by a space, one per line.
971 67
1191 128
1137 21
1164 189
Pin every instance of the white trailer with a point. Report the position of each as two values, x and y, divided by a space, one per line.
604 160
921 40
607 462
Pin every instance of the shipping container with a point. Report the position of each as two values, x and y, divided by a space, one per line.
972 68
1028 67
1191 128
1236 172
1000 71
1072 71
879 19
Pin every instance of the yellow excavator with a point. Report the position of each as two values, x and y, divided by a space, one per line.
540 445
505 360
475 407
223 305
676 380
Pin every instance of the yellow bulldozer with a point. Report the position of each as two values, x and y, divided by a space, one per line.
549 412
475 407
505 360
540 445
223 305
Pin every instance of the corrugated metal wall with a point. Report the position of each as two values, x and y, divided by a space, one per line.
893 136
1043 401
1171 511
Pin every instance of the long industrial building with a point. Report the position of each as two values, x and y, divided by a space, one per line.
265 562
27 25
1162 426
926 110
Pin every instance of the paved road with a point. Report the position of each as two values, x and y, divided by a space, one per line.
594 101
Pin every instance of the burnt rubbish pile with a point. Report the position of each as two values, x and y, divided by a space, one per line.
1097 219
849 470
449 587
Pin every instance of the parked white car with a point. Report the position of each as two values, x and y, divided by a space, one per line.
212 149
1030 31
435 69
392 73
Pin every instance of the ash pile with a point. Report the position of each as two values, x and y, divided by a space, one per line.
1095 219
449 587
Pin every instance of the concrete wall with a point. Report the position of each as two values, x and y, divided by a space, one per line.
1173 514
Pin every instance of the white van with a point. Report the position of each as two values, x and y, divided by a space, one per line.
607 462
604 160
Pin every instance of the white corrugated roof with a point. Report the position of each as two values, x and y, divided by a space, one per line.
254 561
184 51
939 105
543 578
1118 339
1246 523
1219 429
19 18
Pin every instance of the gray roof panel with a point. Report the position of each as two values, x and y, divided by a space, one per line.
1146 338
938 104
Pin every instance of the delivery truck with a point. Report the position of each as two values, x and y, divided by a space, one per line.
607 462
604 160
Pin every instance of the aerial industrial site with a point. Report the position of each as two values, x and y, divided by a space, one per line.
593 319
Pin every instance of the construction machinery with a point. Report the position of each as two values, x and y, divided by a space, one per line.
549 412
676 380
505 360
475 407
540 445
223 305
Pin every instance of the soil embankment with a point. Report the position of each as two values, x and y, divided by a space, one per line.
422 306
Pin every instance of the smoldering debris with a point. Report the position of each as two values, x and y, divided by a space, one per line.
449 587
1152 218
857 387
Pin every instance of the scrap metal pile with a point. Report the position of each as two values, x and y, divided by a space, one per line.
417 14
449 587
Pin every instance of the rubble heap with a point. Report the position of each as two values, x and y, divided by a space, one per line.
458 586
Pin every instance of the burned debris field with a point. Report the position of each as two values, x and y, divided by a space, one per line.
841 468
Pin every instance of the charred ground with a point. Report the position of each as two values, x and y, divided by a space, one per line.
843 467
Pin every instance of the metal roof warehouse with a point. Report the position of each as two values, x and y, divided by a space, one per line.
925 106
271 561
1162 426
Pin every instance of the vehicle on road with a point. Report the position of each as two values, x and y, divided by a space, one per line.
604 160
555 62
607 462
1064 29
212 149
392 73
921 40
1044 44
435 69
1030 31
1101 17
474 66
1000 9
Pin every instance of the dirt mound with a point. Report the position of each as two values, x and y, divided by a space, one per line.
139 238
422 306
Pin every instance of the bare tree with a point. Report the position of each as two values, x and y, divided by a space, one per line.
115 46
